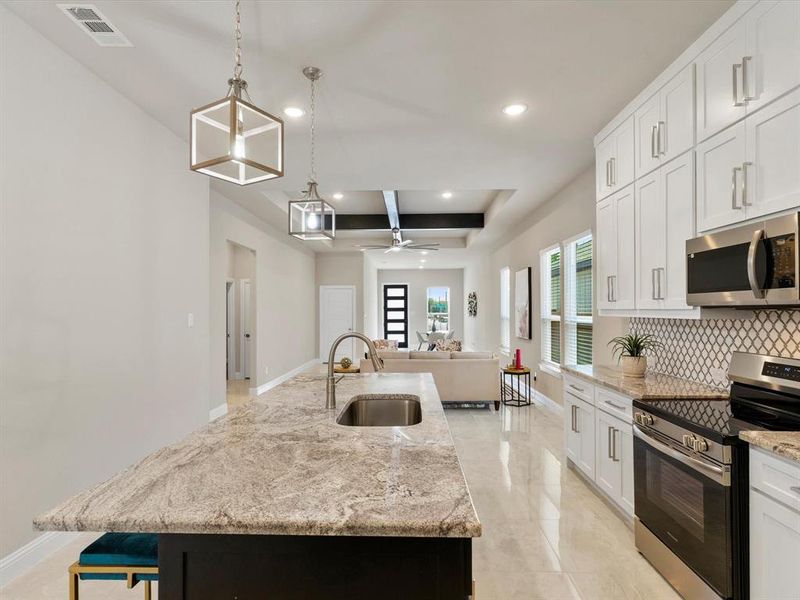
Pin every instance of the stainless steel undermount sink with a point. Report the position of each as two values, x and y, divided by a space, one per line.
381 410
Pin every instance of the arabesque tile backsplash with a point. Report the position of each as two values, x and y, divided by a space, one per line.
701 350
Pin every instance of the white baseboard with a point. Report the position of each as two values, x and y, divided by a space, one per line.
28 556
257 391
217 412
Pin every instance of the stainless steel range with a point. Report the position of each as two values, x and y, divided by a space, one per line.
691 475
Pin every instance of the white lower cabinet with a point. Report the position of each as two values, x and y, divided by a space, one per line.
600 442
774 528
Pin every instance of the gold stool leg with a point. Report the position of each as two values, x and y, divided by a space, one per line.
74 580
148 591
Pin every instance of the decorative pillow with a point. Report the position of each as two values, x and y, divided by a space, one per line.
385 344
448 345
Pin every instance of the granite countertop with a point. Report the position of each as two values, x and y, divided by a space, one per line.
281 465
654 386
782 443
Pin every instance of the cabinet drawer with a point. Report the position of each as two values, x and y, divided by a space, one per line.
777 478
578 388
614 404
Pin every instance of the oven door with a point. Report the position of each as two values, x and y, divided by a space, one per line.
685 501
747 266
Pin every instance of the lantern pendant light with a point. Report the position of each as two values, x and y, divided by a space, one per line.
311 217
232 139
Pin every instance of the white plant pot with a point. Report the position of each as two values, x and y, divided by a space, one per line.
634 366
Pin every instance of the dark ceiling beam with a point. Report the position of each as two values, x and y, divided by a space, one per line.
411 222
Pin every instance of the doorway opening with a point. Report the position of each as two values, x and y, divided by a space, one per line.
240 323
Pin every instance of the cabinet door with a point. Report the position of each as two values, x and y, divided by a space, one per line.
772 174
676 133
603 155
774 549
647 152
719 163
606 252
623 291
571 438
623 168
608 475
624 450
677 191
773 45
585 414
719 82
651 239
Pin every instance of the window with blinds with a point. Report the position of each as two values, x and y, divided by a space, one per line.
578 300
550 289
505 309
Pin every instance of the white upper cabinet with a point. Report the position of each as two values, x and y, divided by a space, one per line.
664 221
752 64
719 173
772 64
665 123
751 169
719 81
771 173
615 251
614 160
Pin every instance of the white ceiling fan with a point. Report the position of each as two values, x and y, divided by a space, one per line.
398 245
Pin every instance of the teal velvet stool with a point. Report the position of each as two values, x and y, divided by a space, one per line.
120 556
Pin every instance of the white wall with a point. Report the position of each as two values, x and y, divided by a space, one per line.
569 212
419 280
284 295
478 278
104 252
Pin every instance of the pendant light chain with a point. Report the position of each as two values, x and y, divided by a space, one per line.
237 40
313 128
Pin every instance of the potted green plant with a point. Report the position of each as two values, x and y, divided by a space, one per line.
630 351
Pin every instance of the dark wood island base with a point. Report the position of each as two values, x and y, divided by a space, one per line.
285 567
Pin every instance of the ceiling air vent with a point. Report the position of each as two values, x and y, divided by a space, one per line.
94 24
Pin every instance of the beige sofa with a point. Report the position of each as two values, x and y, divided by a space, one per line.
461 377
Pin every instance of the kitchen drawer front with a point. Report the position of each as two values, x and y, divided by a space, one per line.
777 478
579 388
613 403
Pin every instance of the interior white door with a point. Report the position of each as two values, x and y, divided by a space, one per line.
230 329
606 252
771 180
773 47
677 191
624 282
337 316
245 319
719 165
720 101
676 132
647 118
651 239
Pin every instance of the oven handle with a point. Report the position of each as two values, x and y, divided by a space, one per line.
751 263
721 475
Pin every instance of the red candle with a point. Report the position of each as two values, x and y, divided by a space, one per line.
518 359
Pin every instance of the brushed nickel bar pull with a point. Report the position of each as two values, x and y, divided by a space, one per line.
653 284
733 189
653 151
617 406
608 288
610 452
744 183
613 171
659 270
614 456
660 138
795 489
746 80
736 68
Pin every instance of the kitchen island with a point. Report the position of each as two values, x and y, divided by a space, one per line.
276 499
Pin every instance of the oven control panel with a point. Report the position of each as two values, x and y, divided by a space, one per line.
695 443
773 369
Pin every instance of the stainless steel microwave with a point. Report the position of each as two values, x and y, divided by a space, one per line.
755 265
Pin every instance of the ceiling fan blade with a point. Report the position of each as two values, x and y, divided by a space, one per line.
406 243
368 247
425 248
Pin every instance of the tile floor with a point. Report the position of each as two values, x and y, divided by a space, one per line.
546 535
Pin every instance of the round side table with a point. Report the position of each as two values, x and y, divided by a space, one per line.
515 387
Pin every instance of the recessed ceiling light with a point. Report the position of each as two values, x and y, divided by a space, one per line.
338 196
447 195
422 260
421 267
294 112
512 110
424 252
